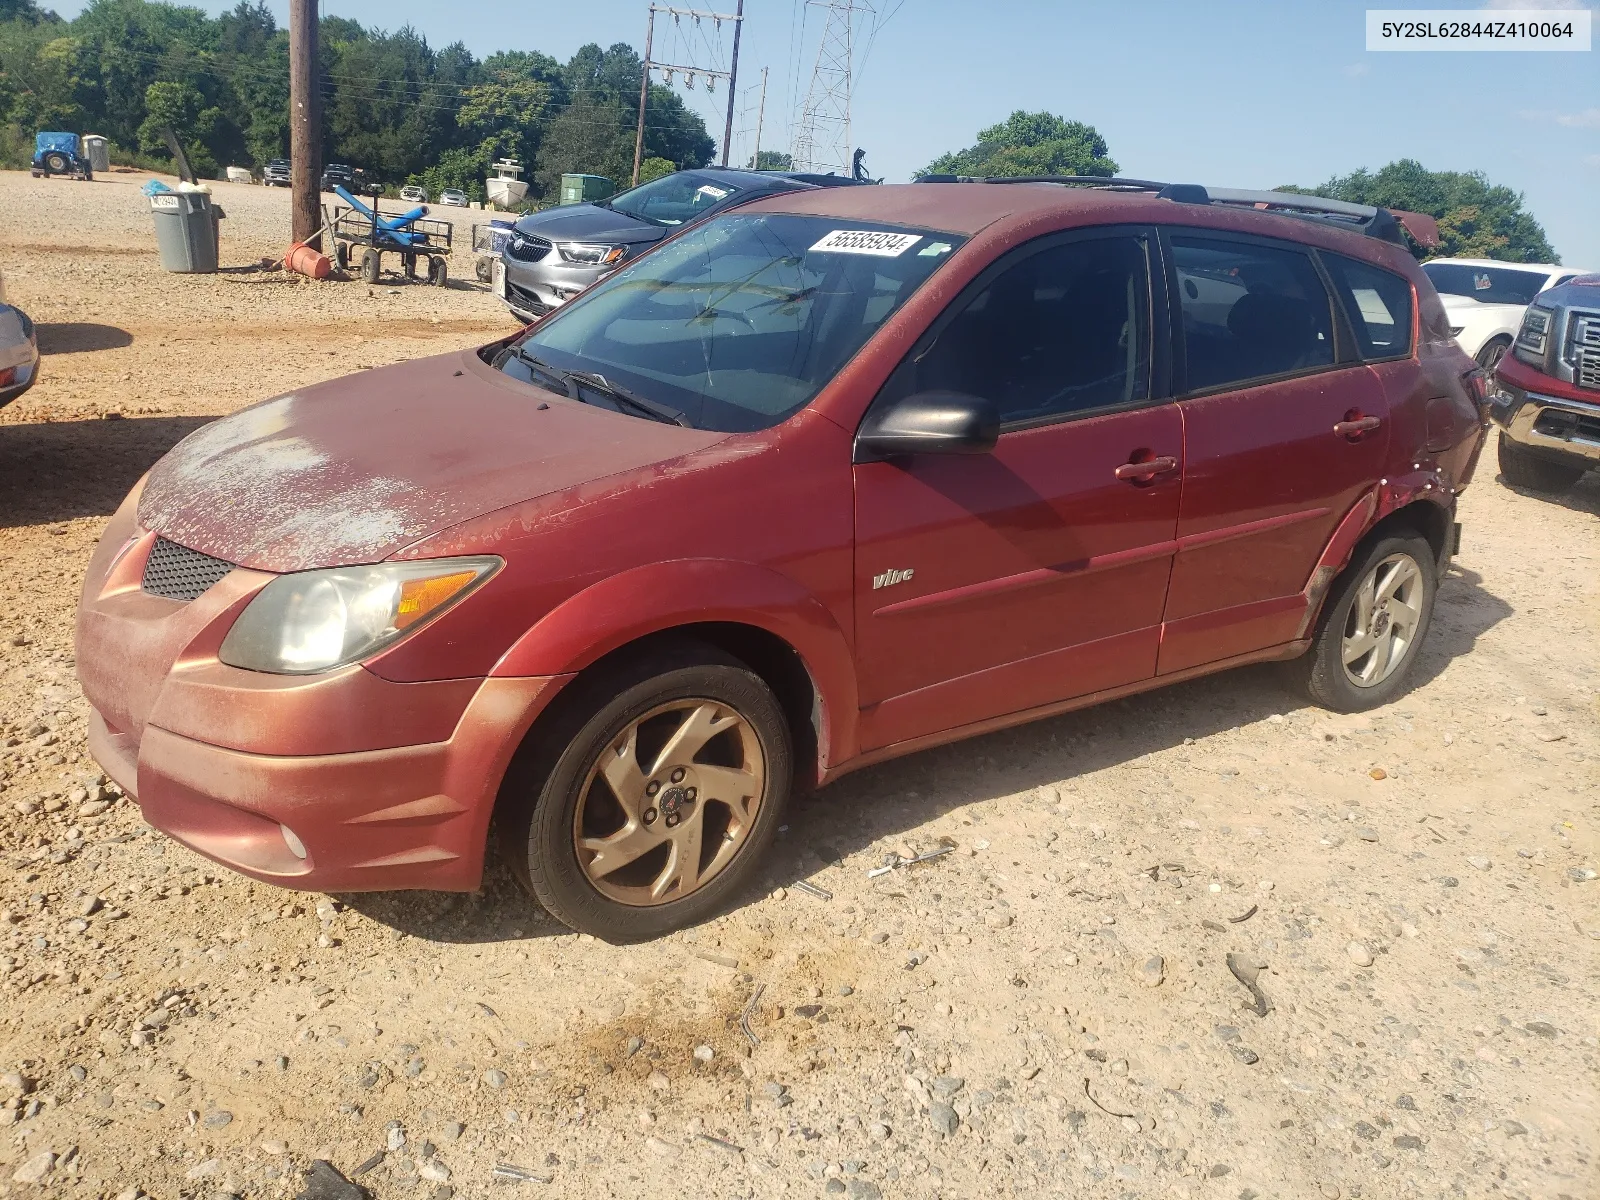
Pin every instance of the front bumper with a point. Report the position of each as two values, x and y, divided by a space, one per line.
1554 426
533 289
379 785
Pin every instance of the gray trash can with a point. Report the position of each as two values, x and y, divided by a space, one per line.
186 231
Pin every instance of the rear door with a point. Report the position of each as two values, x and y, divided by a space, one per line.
1284 430
995 583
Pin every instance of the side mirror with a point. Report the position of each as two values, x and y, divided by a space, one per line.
929 423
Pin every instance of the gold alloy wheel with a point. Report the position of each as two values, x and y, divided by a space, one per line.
669 802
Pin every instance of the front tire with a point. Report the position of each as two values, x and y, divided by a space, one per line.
1521 469
1372 627
652 798
371 262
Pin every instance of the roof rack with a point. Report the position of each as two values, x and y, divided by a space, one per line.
1364 218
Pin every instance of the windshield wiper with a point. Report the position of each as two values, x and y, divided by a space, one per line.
653 409
562 378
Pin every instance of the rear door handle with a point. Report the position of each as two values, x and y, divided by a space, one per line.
1144 472
1357 426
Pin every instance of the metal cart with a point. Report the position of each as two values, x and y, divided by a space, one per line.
356 227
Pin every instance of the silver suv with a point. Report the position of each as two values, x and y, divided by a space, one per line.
554 254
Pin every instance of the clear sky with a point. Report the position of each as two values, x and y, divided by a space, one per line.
1239 93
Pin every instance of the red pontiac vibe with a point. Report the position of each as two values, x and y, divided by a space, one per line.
833 477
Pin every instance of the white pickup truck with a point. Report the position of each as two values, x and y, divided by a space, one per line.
1485 299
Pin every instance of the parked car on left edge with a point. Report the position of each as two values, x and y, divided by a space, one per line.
276 173
415 194
60 154
1485 299
19 352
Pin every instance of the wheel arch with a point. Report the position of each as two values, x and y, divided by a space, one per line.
1433 521
758 616
1394 505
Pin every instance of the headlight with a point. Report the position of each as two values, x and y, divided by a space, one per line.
315 620
592 253
1534 336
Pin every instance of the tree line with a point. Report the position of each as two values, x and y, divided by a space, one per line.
1477 219
391 104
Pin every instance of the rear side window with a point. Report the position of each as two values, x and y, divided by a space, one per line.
1487 285
1250 312
1066 330
1379 304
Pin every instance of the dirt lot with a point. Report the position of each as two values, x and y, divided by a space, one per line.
1047 1011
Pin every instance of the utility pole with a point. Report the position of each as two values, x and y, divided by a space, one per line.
670 69
644 92
733 81
305 122
761 111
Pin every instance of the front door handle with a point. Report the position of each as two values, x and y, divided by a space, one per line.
1356 426
1144 472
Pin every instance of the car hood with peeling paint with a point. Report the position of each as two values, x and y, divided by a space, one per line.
356 469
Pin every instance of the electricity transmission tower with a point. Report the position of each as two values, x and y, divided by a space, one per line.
822 135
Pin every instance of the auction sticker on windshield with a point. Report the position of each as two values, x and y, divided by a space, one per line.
867 241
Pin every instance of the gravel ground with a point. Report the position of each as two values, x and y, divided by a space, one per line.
1047 1010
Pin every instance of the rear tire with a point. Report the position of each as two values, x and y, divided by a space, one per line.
370 264
341 256
1366 644
438 272
644 724
1524 470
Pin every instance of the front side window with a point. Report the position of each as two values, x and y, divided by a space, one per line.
1249 312
673 199
738 322
1487 285
1379 304
1065 330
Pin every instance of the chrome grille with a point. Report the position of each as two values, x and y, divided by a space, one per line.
1588 369
1586 339
525 247
179 573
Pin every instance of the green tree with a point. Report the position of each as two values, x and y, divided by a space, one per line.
1477 219
39 80
1027 143
181 108
656 168
771 160
392 103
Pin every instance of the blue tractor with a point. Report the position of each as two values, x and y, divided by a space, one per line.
60 154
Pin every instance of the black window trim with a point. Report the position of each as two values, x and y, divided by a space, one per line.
1158 388
1345 352
1333 287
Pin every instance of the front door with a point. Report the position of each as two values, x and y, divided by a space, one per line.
1284 430
992 584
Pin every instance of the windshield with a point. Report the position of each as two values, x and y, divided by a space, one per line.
1490 285
740 322
673 199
